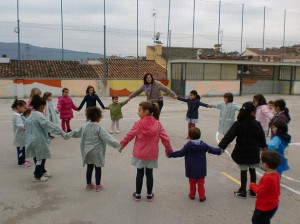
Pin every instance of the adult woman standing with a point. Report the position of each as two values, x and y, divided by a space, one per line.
152 89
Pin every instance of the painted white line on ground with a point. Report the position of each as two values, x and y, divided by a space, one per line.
296 143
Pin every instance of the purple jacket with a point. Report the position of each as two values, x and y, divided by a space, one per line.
195 157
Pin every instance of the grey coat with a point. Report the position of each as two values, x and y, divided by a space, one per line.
154 95
36 135
227 116
93 142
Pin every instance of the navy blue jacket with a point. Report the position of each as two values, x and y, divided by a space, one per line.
195 157
193 106
91 101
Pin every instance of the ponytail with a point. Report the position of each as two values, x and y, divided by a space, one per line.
153 108
287 114
246 111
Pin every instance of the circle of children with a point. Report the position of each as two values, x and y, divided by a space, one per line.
35 121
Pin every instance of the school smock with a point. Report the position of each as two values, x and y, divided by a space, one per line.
267 192
279 143
51 112
19 130
93 143
36 135
116 111
227 115
195 157
264 116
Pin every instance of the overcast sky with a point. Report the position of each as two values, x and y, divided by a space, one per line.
83 23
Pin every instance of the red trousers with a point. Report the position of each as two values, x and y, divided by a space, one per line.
191 125
201 189
65 123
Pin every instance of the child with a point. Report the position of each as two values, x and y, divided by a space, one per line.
250 138
268 189
271 110
93 145
116 113
195 162
147 132
37 140
19 107
64 107
90 98
281 113
50 111
33 92
193 103
279 143
263 114
227 114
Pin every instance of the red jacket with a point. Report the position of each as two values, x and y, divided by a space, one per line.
147 133
268 191
65 106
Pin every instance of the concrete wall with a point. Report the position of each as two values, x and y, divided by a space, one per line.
296 88
213 88
259 86
22 88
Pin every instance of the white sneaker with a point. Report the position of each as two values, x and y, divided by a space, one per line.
47 175
111 131
118 131
42 179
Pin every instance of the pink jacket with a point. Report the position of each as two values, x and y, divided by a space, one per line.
264 116
147 133
65 106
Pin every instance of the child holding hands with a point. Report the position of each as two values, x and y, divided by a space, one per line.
93 146
147 132
195 162
268 189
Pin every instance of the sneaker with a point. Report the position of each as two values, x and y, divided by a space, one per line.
118 131
192 198
252 194
89 187
99 188
111 132
69 130
47 174
25 164
136 197
202 199
41 179
150 197
240 193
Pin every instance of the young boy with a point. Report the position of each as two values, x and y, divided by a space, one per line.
116 113
195 161
268 189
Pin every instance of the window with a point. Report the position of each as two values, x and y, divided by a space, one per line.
285 73
194 71
212 71
229 72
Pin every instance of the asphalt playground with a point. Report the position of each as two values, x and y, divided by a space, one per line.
63 200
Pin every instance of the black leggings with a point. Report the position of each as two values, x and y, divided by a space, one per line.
140 177
244 178
261 217
89 173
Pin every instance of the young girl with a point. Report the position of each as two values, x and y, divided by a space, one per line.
263 114
33 92
279 143
50 111
37 140
193 103
250 138
19 107
65 106
93 146
147 132
195 162
90 99
281 113
116 113
227 114
268 189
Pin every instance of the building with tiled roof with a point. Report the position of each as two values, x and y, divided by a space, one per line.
258 54
117 69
